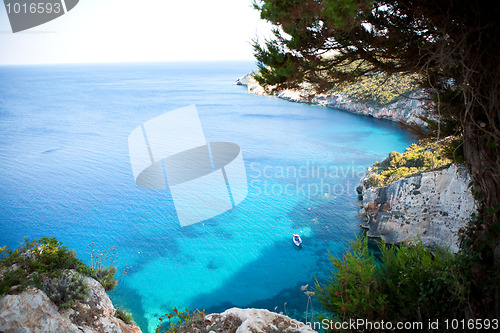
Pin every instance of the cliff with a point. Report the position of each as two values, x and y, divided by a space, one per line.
432 206
410 110
33 311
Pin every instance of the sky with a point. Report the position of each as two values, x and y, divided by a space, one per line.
101 31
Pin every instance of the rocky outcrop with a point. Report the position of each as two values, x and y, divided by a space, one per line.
245 80
432 206
33 311
409 110
253 320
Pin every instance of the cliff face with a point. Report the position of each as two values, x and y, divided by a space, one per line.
406 110
33 311
433 205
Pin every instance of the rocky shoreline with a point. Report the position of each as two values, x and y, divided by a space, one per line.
432 206
33 311
411 110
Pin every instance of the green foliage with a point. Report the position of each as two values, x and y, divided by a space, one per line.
423 281
45 263
124 315
353 292
180 321
425 156
105 276
42 255
378 88
66 289
342 13
11 278
101 266
361 33
407 283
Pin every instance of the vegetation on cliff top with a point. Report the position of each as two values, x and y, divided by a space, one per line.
424 156
375 88
408 283
378 88
47 265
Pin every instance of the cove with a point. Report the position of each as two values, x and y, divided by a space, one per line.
66 173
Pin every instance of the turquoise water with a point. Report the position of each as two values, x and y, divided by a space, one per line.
66 173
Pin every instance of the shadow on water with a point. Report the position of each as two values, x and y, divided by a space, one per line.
128 299
330 223
258 275
158 245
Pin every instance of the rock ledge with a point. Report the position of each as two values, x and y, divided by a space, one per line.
33 311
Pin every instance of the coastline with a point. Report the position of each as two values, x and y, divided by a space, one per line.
411 110
430 206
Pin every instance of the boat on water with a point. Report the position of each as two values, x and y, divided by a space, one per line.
296 239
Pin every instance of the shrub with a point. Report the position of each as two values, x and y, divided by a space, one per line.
105 276
375 180
407 283
124 315
102 266
378 88
45 263
181 321
354 290
34 261
425 156
44 256
67 289
11 278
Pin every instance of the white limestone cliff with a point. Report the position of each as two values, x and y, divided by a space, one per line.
433 205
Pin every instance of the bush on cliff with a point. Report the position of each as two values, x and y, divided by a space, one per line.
407 283
47 265
425 156
66 289
378 88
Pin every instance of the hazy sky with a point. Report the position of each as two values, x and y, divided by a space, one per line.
140 30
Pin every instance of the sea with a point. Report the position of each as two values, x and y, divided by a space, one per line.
65 172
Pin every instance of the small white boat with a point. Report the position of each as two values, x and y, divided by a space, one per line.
296 239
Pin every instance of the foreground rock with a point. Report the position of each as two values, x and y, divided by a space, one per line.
432 205
33 311
253 321
410 111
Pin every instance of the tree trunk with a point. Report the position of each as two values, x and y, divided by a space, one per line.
483 160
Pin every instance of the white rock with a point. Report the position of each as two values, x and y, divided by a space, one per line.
33 311
433 206
260 320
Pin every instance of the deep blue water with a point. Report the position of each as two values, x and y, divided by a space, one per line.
65 172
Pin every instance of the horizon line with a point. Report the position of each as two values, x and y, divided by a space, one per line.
125 62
